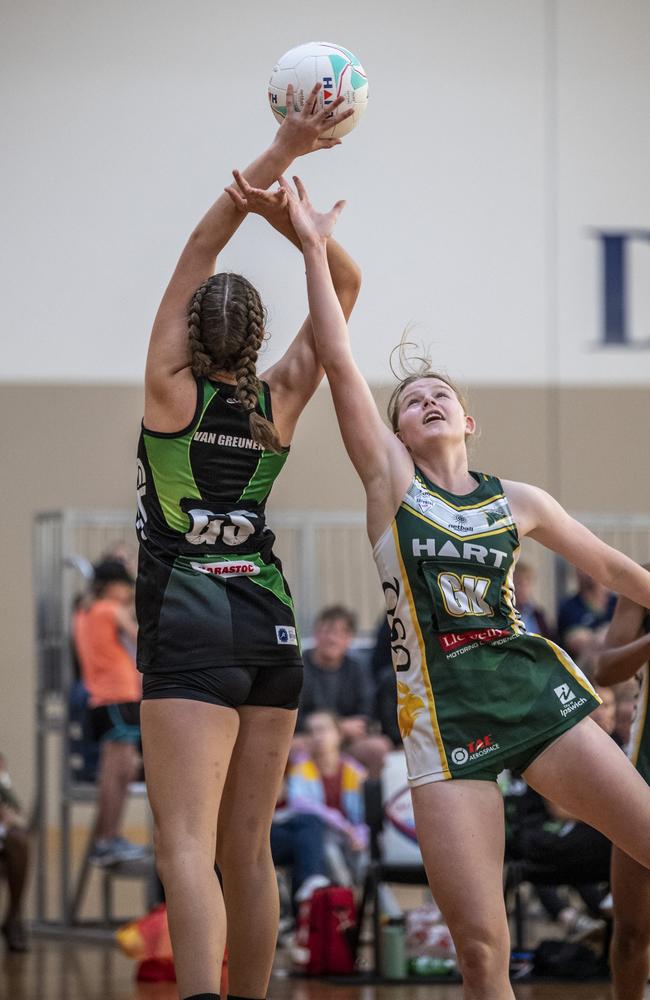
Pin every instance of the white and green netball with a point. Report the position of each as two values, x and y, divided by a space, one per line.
336 68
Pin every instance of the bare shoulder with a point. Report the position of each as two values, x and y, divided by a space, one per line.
170 405
385 491
529 504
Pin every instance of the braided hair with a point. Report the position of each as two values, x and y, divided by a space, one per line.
226 330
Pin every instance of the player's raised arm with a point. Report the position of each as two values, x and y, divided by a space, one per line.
294 378
375 452
539 515
169 386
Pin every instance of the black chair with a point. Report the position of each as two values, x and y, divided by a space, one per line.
517 872
379 872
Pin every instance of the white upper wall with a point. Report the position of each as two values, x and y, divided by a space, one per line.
497 136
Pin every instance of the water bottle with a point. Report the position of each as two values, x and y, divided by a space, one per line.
393 948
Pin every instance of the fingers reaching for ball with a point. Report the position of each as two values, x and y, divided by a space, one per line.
249 199
312 227
240 203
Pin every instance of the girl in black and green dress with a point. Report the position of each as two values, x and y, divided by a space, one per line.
217 641
476 693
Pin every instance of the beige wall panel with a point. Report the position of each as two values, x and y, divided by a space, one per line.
602 457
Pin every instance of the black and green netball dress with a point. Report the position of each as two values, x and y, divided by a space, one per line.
639 746
476 693
210 591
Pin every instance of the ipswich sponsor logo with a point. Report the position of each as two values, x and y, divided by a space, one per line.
449 641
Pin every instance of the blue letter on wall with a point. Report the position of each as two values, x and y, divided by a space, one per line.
614 271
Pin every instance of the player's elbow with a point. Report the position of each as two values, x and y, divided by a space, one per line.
353 277
600 672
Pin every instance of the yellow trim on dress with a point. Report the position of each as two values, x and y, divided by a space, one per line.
462 538
567 662
508 589
423 657
469 506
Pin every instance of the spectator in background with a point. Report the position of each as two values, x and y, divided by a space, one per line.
298 841
125 553
336 681
104 633
532 614
327 784
583 616
14 859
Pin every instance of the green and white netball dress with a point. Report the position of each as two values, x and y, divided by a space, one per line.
639 746
210 591
475 691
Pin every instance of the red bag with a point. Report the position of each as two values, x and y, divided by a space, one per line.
326 932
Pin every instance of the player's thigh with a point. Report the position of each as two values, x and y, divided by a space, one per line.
631 893
254 779
590 777
460 829
187 746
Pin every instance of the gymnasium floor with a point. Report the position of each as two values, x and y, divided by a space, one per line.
54 970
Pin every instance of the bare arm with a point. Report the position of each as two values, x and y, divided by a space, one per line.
382 462
126 623
295 377
626 647
169 387
537 514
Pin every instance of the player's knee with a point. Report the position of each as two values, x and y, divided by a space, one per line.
244 848
180 853
630 937
480 956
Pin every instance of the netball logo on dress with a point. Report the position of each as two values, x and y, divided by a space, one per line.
233 528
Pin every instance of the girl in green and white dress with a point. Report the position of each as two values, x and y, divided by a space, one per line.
626 654
476 693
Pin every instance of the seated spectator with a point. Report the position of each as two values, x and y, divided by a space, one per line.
327 784
14 861
582 617
298 841
336 681
532 614
104 633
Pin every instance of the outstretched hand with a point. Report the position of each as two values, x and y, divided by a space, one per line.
312 227
303 131
271 205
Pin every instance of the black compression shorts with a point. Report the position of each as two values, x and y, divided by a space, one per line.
232 687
